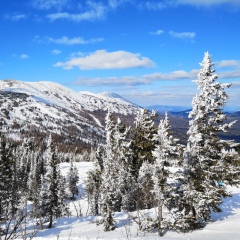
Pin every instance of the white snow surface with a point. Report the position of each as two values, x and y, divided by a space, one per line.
56 94
226 225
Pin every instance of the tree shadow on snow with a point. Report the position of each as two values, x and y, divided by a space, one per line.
62 224
229 205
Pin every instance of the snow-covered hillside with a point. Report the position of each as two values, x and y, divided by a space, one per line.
56 94
226 225
37 108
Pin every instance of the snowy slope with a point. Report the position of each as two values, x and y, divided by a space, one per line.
225 227
56 94
37 108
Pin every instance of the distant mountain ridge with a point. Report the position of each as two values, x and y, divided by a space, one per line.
76 119
166 108
61 96
34 109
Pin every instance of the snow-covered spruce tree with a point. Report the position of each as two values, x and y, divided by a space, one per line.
9 191
109 184
167 154
53 203
143 145
72 180
93 182
6 179
143 134
34 183
205 161
123 160
24 162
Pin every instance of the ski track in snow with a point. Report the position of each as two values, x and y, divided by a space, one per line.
226 225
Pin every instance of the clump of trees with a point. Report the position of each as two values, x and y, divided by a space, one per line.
145 167
32 174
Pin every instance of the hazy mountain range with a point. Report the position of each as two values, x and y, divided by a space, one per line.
76 119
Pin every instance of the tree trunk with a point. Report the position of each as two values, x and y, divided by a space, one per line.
50 221
160 230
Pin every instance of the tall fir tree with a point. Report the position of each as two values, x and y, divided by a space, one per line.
6 182
72 180
109 185
94 180
53 203
205 163
143 145
124 158
168 154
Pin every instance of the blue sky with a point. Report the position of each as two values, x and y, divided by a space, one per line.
146 51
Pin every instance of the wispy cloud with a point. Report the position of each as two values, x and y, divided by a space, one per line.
208 2
169 96
182 35
15 17
73 41
112 81
228 63
236 85
158 32
95 11
101 59
23 56
180 74
49 4
66 40
229 74
135 81
56 51
116 3
151 78
150 5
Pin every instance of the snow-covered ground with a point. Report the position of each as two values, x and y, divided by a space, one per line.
225 227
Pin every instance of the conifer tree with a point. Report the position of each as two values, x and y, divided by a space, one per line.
9 190
109 186
72 180
143 135
167 154
93 183
205 163
143 145
53 200
124 158
6 180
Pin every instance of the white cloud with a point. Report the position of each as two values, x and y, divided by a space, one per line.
101 59
155 5
23 56
168 96
112 81
73 41
96 11
48 4
158 32
235 85
135 81
228 63
208 2
180 74
182 35
229 74
150 78
116 3
15 17
56 52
